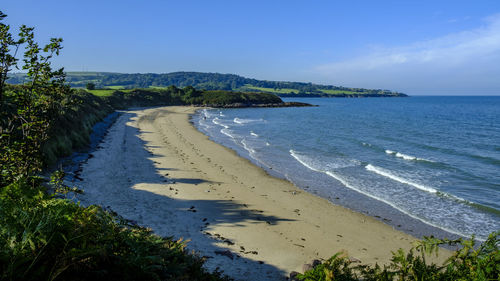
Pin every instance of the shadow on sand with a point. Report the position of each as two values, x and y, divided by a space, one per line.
137 184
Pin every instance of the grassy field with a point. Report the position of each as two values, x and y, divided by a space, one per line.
101 93
271 90
107 92
288 90
115 87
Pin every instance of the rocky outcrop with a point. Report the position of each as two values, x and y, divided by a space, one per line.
243 105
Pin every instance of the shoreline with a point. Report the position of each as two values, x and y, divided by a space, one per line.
156 169
342 195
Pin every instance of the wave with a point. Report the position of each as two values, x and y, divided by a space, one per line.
406 157
245 121
350 186
247 147
253 134
301 161
388 174
217 122
321 166
226 132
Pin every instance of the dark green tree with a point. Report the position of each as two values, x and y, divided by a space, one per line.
7 58
90 86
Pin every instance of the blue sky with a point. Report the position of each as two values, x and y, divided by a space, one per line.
416 47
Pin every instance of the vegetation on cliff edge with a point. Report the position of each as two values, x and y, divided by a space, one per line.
46 238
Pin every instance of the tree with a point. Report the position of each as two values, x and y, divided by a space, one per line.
27 111
90 86
7 60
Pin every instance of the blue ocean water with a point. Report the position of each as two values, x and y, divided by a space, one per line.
413 162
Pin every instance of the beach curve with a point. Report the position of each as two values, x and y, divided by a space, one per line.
156 169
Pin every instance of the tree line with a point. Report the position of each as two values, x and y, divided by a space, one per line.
205 81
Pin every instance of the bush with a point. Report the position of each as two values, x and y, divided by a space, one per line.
43 238
467 263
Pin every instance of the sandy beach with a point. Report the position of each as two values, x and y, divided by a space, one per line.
156 169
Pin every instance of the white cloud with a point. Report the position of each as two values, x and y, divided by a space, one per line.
463 60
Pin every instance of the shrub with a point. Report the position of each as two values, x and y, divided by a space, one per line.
43 238
467 263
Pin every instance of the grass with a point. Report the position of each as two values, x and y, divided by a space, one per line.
271 90
295 91
102 93
119 87
108 92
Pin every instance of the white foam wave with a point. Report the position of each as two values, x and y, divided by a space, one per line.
318 166
227 132
247 147
253 134
388 174
348 185
245 121
207 114
217 122
221 115
303 161
268 144
406 156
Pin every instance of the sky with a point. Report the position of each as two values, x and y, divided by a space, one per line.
415 47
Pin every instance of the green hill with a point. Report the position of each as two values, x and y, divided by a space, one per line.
211 81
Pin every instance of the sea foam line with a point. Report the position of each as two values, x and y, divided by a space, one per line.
226 132
253 134
405 156
297 157
217 122
244 121
387 174
348 185
247 148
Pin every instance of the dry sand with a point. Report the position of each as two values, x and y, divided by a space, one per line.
155 168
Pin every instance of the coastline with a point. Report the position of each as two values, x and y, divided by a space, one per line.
156 169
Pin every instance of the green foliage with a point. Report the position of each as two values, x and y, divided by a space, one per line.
28 111
45 238
42 238
90 86
467 263
213 82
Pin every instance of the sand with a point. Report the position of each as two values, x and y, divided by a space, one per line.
156 169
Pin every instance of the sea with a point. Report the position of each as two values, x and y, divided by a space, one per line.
426 165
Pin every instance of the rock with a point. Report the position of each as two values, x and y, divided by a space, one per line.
243 105
354 260
293 275
316 263
306 267
226 253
